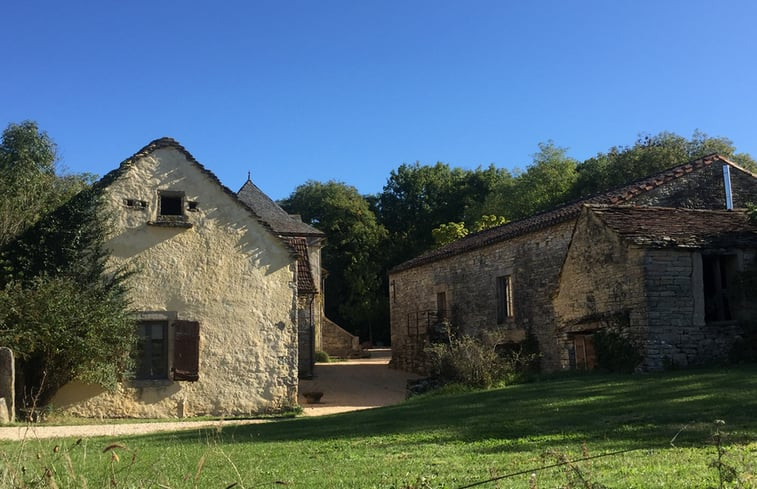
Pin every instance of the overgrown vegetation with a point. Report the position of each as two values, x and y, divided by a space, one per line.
482 361
616 352
62 312
663 422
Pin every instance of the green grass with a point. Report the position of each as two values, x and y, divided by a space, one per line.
444 441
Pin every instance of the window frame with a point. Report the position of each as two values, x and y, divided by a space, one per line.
181 349
148 355
719 271
504 298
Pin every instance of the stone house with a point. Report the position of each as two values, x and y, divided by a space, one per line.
315 330
508 278
218 292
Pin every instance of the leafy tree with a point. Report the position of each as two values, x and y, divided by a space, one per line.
354 295
648 155
61 310
447 233
487 222
547 182
452 231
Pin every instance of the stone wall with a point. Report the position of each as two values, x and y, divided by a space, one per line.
702 189
468 280
227 271
336 341
601 286
678 334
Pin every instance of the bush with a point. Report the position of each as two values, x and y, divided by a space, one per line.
615 352
322 357
478 361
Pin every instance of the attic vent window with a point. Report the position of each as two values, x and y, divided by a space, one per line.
170 204
171 210
135 204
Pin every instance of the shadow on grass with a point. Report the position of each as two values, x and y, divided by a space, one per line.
623 410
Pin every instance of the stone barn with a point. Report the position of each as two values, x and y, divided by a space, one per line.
509 278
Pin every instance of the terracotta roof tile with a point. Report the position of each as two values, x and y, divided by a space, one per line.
305 282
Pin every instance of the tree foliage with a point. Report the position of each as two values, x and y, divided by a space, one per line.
28 180
61 310
354 297
649 155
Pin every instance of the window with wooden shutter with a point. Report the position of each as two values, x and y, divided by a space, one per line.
186 353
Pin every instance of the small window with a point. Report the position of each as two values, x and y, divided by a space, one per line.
504 298
718 277
441 305
152 351
171 204
135 204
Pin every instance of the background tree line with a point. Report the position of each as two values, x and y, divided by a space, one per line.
66 315
423 206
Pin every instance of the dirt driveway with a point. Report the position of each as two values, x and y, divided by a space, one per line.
346 386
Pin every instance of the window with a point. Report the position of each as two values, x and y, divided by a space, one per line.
504 298
718 274
152 352
168 349
441 305
171 204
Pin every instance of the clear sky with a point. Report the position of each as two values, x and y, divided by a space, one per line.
348 90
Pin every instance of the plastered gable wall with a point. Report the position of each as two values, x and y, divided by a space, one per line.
532 261
227 272
602 284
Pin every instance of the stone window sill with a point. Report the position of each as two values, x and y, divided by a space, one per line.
170 224
150 383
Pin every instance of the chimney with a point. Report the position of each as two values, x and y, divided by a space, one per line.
727 183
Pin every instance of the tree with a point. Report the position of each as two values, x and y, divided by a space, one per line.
62 311
546 182
447 233
28 180
354 295
648 155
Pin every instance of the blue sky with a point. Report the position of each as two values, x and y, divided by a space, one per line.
348 90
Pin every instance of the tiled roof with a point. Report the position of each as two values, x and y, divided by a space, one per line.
664 227
281 222
161 143
305 282
560 214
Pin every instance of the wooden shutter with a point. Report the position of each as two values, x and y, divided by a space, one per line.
186 350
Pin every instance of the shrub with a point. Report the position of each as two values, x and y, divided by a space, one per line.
322 357
615 352
477 361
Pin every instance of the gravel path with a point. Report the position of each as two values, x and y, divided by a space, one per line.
347 386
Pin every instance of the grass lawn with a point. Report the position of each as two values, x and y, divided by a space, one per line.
442 441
